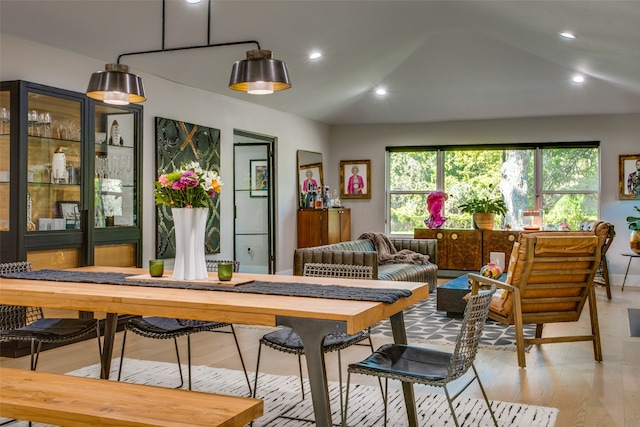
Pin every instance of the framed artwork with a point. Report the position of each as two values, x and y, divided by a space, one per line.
178 143
70 212
629 177
120 129
259 178
355 179
310 176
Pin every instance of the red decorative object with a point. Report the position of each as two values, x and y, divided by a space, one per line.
435 205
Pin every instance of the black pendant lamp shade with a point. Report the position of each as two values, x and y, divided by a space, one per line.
115 85
259 74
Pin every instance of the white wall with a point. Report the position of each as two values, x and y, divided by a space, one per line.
25 60
618 134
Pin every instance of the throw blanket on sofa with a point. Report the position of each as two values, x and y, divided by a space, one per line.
388 254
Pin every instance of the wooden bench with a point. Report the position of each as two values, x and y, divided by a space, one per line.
76 401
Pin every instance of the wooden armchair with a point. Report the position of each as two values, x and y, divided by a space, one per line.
605 230
550 278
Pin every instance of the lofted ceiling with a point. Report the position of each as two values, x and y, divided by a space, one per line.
438 60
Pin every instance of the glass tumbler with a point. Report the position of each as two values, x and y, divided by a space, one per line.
225 271
156 267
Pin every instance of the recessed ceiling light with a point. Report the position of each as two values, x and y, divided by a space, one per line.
567 35
193 1
578 78
381 91
315 55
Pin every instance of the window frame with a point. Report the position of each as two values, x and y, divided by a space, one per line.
538 193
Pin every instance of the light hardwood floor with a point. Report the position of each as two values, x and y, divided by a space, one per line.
563 375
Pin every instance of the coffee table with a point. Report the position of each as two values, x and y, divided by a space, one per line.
449 296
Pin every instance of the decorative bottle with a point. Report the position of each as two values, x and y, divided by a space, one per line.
336 199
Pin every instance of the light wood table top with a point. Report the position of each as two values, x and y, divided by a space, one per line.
242 308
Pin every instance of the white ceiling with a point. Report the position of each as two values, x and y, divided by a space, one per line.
438 60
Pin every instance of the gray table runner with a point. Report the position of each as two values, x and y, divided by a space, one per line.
385 295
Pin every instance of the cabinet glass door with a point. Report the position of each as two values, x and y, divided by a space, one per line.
54 162
115 171
5 156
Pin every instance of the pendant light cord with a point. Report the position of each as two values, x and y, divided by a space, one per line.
173 49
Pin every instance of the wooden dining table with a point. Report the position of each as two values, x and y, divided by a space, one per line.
311 317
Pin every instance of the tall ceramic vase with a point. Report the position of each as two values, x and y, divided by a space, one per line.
189 225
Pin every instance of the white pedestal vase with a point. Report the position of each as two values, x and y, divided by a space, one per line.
190 225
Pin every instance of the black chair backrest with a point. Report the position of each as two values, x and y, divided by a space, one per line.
212 264
16 316
315 269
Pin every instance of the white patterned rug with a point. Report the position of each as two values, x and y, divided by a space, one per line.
426 325
282 393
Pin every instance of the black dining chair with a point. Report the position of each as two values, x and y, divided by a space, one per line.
417 364
24 323
29 323
170 328
288 341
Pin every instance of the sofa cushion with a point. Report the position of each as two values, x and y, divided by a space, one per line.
352 245
408 272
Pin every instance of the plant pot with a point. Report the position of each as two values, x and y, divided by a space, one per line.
483 221
634 241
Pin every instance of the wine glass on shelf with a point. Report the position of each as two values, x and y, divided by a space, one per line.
40 124
5 117
99 167
32 120
47 171
46 121
128 166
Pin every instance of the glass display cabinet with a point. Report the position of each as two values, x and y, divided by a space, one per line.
69 168
116 149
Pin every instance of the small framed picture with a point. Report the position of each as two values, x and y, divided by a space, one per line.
355 179
259 178
70 212
629 177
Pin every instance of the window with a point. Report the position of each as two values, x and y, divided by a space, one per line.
560 180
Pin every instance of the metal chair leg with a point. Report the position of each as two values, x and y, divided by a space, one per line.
484 394
300 370
175 343
35 354
346 401
246 375
450 402
188 358
255 381
124 341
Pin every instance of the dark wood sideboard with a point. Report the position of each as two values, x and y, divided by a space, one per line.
468 250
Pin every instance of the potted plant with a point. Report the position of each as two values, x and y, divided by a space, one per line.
634 226
483 210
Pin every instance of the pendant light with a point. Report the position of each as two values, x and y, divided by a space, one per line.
116 86
259 74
